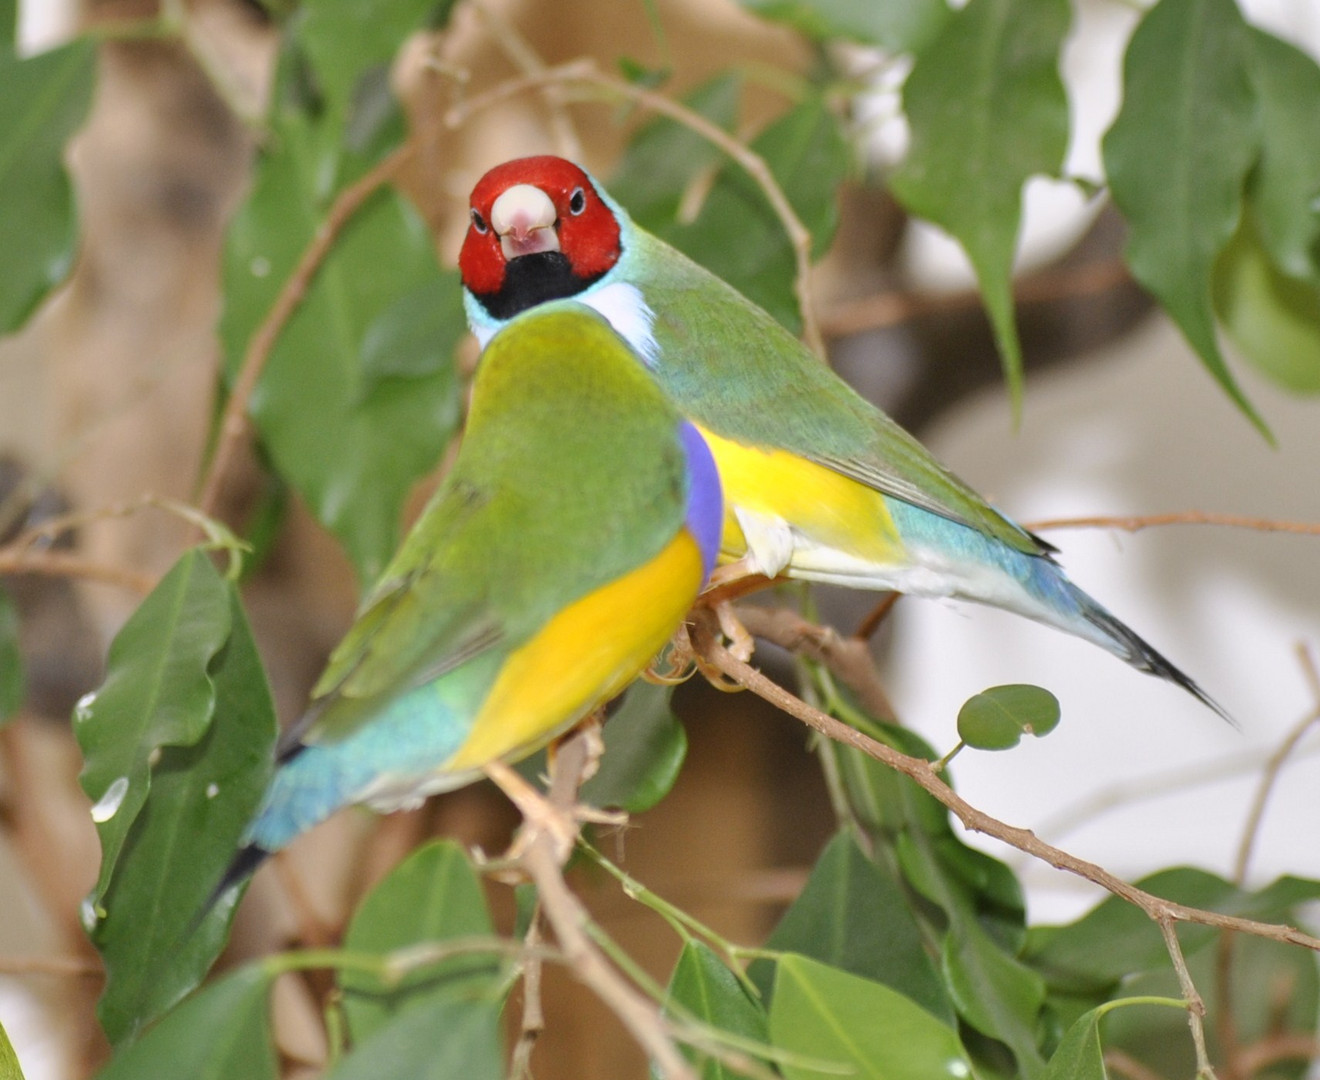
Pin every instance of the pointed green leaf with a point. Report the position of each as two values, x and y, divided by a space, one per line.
853 915
9 1066
351 442
432 896
996 719
1079 1055
987 110
896 25
44 102
1177 157
219 1034
202 797
994 992
347 38
868 1029
158 692
12 683
712 993
1286 184
1272 318
440 1039
644 749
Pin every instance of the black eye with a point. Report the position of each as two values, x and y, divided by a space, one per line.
479 222
577 202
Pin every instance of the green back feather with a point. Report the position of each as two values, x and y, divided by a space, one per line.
569 476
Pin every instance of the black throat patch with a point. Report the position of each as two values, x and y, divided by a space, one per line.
533 279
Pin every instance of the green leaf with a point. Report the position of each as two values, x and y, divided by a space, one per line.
994 992
644 749
220 1033
12 684
1177 157
996 719
9 1066
158 692
1274 319
45 100
987 110
1079 1055
709 991
440 1039
348 38
351 441
431 896
1286 183
896 25
853 915
876 1034
416 335
202 797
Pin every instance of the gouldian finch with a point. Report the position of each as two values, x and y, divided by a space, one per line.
579 522
818 483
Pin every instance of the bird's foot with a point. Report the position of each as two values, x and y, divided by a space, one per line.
541 817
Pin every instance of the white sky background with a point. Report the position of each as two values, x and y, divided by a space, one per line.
1144 431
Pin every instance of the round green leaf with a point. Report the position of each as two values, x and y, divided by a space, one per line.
996 719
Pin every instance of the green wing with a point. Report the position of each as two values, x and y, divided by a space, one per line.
569 476
715 344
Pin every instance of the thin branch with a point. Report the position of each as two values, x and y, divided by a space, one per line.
848 658
922 773
65 565
233 429
1135 523
1229 1036
1195 1006
876 616
67 966
894 308
533 1015
518 49
1125 1065
586 73
1285 1047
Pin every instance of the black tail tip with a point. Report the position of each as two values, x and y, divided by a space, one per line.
243 865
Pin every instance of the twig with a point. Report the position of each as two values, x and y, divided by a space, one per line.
1125 1065
849 658
233 428
868 626
1136 523
569 920
922 773
518 49
63 564
1229 1036
533 1016
894 308
1195 1006
74 966
585 72
1285 1047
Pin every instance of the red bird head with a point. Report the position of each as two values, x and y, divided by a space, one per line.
539 231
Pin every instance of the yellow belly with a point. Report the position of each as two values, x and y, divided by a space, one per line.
826 510
583 657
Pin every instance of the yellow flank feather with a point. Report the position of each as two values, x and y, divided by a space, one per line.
583 656
826 509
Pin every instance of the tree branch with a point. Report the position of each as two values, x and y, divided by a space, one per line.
924 775
1135 523
233 431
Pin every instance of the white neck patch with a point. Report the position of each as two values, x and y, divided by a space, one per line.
632 318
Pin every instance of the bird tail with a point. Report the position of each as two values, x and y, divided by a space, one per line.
241 867
1125 643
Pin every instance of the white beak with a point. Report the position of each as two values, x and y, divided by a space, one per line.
524 220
